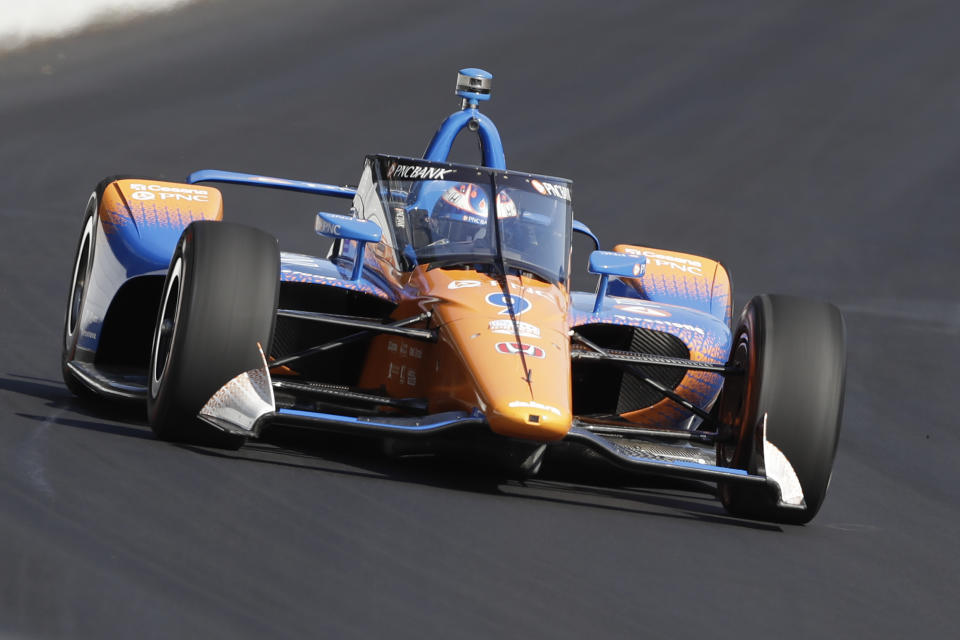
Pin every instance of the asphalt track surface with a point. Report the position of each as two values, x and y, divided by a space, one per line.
814 149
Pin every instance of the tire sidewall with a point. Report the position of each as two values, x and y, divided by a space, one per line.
794 374
229 287
157 409
88 227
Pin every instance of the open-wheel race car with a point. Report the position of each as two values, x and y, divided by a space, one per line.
443 316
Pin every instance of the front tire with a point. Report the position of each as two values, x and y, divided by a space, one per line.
793 353
82 269
80 287
219 302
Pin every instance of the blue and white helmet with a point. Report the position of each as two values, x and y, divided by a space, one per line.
466 202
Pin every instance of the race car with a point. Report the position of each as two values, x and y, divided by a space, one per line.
443 318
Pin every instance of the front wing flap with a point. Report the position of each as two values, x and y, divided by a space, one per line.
246 404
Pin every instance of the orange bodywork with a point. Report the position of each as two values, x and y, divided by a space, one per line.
476 361
146 204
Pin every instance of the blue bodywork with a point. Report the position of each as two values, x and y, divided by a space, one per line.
334 225
232 177
611 263
443 139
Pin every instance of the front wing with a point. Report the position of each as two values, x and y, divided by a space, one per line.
246 404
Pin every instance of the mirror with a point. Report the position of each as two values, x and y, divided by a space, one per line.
334 225
611 263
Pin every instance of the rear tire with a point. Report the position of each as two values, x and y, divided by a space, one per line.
219 301
793 352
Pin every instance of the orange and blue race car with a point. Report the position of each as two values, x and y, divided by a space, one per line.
443 316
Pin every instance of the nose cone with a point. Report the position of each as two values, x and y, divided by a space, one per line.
522 383
529 419
519 371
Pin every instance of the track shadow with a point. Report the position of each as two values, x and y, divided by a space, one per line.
102 427
581 482
52 391
57 396
615 491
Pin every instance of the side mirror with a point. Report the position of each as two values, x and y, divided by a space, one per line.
611 263
333 225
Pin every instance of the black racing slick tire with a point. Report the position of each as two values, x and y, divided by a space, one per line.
82 268
80 286
219 302
793 354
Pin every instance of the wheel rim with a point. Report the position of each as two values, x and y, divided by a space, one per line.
79 282
735 400
166 325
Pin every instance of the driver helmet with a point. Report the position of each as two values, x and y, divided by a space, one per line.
464 207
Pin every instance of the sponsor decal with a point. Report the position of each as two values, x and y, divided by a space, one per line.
327 228
534 405
404 349
397 171
463 284
686 265
520 305
643 310
546 294
402 373
162 192
399 218
531 350
524 329
561 191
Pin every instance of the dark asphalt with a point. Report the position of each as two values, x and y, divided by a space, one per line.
813 147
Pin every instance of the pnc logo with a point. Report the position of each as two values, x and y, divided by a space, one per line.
520 305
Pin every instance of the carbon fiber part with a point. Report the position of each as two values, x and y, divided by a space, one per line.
633 393
660 451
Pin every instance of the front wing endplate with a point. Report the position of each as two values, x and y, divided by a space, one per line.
237 405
